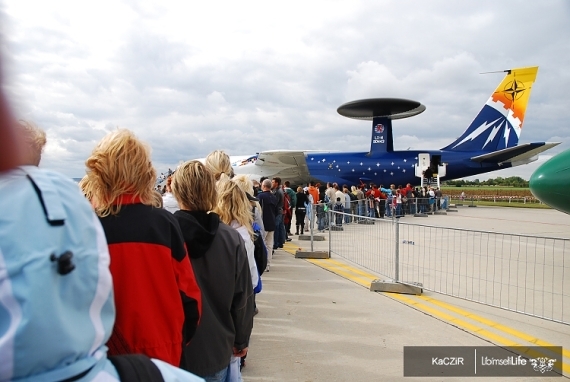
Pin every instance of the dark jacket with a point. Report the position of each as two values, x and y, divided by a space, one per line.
219 259
302 198
268 203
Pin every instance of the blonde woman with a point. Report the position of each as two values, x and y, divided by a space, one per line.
234 209
220 262
247 186
148 257
218 162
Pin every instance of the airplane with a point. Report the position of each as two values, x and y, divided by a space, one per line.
551 181
489 143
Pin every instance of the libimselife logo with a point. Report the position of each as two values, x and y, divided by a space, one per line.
542 364
379 128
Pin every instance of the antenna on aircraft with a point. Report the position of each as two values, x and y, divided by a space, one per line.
381 111
391 108
508 71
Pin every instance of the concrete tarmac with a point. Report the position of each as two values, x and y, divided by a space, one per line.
318 321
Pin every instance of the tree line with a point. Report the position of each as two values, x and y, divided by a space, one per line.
512 181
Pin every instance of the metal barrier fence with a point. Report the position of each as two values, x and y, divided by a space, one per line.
525 274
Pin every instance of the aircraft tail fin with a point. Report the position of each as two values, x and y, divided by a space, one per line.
382 139
499 123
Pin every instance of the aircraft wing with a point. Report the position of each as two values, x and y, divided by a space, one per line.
289 165
520 154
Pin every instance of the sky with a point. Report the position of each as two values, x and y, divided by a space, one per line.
190 77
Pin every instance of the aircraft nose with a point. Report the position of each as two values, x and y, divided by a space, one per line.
550 183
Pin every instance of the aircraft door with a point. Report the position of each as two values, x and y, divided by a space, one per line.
423 164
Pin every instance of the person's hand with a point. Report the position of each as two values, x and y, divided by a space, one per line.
240 353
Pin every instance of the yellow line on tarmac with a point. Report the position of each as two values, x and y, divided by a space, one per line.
484 333
363 278
496 325
326 264
353 269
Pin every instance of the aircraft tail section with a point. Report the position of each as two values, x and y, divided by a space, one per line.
498 125
382 138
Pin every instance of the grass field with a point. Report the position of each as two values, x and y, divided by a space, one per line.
498 196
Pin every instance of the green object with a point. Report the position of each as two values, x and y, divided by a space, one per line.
550 183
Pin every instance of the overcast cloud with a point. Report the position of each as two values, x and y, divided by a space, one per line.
190 77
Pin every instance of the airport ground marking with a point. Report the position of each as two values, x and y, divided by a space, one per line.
355 275
483 333
493 324
326 264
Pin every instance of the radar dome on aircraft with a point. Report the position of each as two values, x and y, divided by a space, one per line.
551 181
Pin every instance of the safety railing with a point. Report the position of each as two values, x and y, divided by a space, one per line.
522 273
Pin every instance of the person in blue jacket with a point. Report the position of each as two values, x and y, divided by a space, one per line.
56 291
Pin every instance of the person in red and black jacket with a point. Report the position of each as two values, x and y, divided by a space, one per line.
158 301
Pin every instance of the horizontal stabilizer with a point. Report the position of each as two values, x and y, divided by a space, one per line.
518 153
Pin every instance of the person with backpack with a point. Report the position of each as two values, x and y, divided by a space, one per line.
287 214
57 312
338 207
292 204
268 204
301 210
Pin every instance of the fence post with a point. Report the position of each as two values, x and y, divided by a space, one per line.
394 285
397 250
312 223
329 212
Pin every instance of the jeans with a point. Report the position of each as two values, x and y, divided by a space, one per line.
321 220
347 216
220 376
361 209
389 207
279 238
398 211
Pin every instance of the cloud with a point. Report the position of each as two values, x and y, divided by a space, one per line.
190 78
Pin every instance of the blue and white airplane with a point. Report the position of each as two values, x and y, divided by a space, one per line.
490 143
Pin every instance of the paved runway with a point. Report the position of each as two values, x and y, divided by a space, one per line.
319 322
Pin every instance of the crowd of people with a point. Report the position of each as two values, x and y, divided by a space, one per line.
114 281
132 280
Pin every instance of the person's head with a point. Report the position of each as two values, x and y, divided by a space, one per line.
312 184
353 188
157 199
34 139
120 165
168 185
86 186
244 183
287 184
218 162
299 189
266 185
233 205
275 182
194 187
